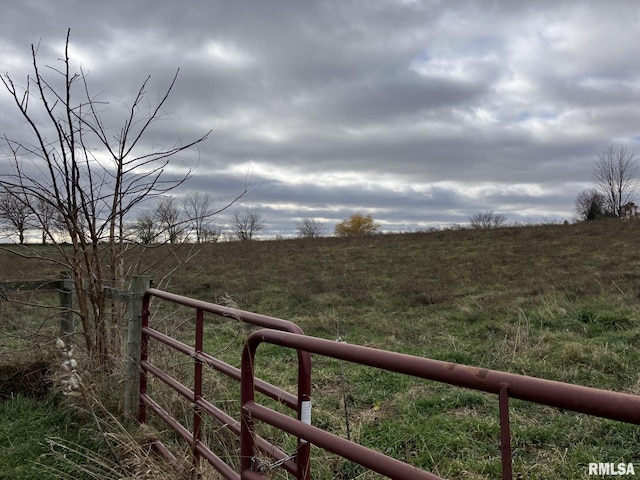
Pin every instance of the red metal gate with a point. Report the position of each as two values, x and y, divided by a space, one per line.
590 401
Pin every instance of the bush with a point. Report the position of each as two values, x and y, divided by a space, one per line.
357 224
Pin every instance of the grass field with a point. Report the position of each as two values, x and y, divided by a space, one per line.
555 301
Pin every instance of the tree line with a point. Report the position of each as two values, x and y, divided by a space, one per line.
168 221
171 220
174 220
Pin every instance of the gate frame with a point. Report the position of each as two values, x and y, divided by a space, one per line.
299 465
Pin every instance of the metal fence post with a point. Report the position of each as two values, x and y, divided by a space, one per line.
67 321
139 285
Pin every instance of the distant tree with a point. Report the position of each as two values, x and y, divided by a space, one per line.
615 177
168 215
145 228
487 219
16 211
210 233
247 224
590 205
48 220
197 208
310 228
357 224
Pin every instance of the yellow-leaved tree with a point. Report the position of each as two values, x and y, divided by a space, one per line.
357 224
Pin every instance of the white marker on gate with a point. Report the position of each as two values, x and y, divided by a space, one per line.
305 413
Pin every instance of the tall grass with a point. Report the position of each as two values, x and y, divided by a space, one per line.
554 301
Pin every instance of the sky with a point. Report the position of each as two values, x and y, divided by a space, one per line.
420 113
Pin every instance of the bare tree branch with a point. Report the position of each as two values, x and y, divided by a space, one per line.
80 181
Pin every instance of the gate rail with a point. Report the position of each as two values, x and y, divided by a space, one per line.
299 464
591 401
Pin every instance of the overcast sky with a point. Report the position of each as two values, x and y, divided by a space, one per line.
421 113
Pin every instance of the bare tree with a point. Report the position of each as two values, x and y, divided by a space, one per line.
211 233
91 176
590 205
615 176
15 209
48 220
168 215
487 219
310 228
145 228
197 207
247 224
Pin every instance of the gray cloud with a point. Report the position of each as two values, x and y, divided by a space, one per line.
421 112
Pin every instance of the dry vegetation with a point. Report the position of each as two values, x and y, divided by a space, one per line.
556 301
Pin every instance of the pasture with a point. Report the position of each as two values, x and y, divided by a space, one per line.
554 301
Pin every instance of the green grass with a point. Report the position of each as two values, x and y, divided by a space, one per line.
28 425
554 301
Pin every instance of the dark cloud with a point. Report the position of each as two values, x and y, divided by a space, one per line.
421 112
